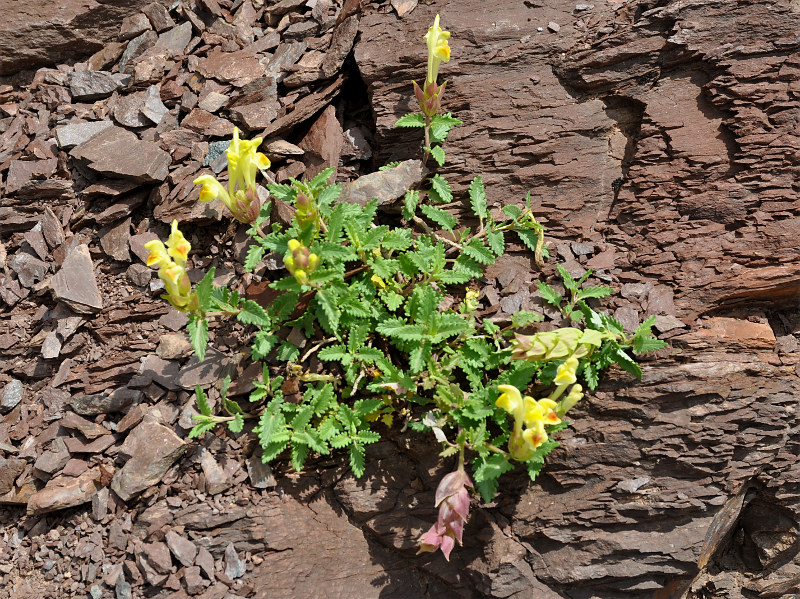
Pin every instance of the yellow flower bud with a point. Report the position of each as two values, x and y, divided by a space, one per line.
293 245
438 49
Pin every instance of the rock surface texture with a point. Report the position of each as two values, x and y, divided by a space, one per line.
660 142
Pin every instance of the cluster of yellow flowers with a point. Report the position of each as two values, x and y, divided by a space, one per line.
241 197
535 414
171 263
300 262
430 95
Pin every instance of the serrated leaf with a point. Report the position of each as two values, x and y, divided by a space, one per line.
202 401
203 290
321 179
445 119
441 217
268 424
512 211
287 352
397 239
550 295
392 299
357 459
410 202
453 277
647 326
299 455
254 255
365 407
252 313
477 197
333 353
326 301
479 252
237 424
569 282
444 325
440 192
597 291
437 152
418 357
263 343
626 362
411 120
488 470
390 165
328 195
468 265
497 242
400 329
201 427
525 317
198 336
529 237
643 344
591 376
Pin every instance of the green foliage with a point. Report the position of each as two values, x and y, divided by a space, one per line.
392 338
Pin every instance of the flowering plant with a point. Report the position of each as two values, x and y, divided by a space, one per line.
382 347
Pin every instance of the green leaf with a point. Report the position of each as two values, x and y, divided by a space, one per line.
333 353
512 211
299 455
591 376
411 120
476 250
440 192
487 471
390 165
441 217
252 313
254 255
445 119
528 237
321 180
365 407
326 300
357 459
643 344
203 426
525 317
647 326
477 197
597 291
329 194
569 282
444 325
626 362
198 335
237 424
268 424
398 239
437 152
263 343
550 295
468 265
400 329
202 401
288 352
203 290
410 202
392 299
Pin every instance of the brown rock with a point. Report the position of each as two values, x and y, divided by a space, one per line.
65 492
238 68
75 283
255 116
89 429
153 449
304 109
194 582
323 143
114 241
128 111
132 26
22 171
119 153
10 469
217 480
182 548
159 16
386 185
206 123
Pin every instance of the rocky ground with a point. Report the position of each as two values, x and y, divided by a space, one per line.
659 141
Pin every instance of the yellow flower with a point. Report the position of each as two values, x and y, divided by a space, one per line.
171 262
158 253
565 375
438 49
241 197
542 410
510 399
533 414
179 248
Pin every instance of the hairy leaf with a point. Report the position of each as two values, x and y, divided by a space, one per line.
440 192
410 202
477 197
441 217
437 152
253 313
203 290
198 336
411 120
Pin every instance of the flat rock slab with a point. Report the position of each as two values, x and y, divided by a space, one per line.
72 492
69 136
385 186
237 68
75 284
117 152
153 449
93 85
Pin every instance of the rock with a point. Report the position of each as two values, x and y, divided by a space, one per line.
33 37
135 48
69 136
387 185
159 16
172 346
164 372
22 171
280 147
285 56
304 108
51 346
205 560
28 268
356 145
119 153
213 101
234 567
664 323
53 460
403 7
176 39
105 57
139 274
10 469
144 553
133 25
128 111
65 492
75 284
93 85
153 449
217 480
206 123
260 473
553 26
114 241
13 393
237 68
100 504
123 589
118 401
89 429
182 548
194 582
255 116
98 445
51 228
153 108
323 143
341 44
